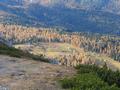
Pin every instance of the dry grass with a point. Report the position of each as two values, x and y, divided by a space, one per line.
55 50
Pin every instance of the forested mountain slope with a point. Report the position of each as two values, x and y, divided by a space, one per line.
73 15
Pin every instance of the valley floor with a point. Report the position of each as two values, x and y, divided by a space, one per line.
23 74
56 51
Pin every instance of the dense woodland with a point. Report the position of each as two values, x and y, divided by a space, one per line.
108 45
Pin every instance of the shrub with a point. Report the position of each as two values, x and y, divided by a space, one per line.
91 77
13 52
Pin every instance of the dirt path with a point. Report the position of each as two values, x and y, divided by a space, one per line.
23 74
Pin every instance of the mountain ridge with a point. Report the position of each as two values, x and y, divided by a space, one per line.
105 5
73 15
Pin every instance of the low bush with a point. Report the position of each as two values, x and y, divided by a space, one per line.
91 77
13 52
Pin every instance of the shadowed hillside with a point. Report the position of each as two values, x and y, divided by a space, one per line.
96 16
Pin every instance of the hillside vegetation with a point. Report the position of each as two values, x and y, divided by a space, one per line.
101 44
13 52
90 77
66 48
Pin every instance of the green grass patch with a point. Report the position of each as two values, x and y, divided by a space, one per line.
90 77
